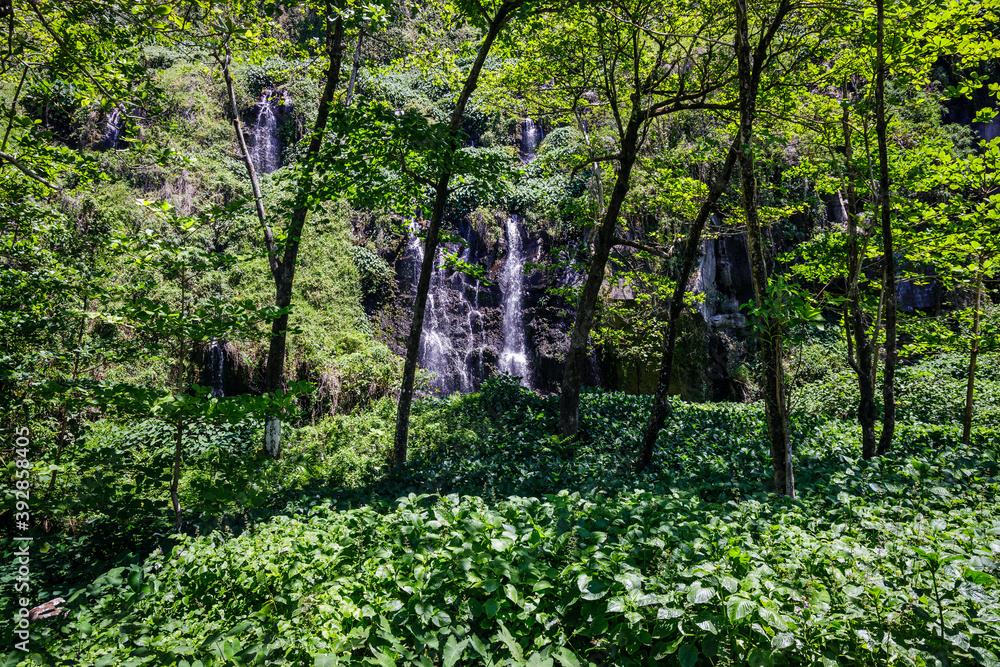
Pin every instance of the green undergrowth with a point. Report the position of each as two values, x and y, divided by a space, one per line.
499 544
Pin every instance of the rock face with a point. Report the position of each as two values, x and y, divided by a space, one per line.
917 295
511 320
505 322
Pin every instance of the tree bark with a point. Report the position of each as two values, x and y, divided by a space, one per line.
769 329
862 365
284 276
431 239
888 250
175 477
283 268
569 402
661 399
970 389
355 68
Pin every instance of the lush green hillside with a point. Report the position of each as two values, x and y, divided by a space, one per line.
506 332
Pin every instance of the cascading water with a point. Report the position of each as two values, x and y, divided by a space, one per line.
514 357
448 342
266 150
217 367
113 128
531 136
462 339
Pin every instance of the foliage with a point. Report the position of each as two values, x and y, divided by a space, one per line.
564 556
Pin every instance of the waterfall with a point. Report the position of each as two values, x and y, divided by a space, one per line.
514 357
266 150
531 136
448 342
113 126
217 367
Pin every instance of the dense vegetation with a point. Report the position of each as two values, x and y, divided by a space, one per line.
499 543
227 227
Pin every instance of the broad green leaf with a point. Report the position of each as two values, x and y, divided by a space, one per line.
566 657
453 650
688 655
700 595
510 643
760 657
739 607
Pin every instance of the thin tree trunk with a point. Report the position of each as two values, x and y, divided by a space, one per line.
576 356
973 358
283 268
258 198
431 239
888 250
181 370
176 476
863 364
661 399
64 435
284 276
355 68
13 111
769 329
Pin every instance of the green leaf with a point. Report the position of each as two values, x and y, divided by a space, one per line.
510 643
707 625
739 607
537 660
731 584
760 657
782 640
453 650
980 578
566 657
700 595
135 580
688 655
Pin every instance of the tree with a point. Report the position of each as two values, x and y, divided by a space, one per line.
282 257
953 225
492 17
888 248
645 54
751 65
175 324
661 399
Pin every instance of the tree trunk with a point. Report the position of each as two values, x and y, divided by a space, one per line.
576 356
176 475
284 274
417 324
973 358
431 239
769 328
355 68
661 399
862 365
888 251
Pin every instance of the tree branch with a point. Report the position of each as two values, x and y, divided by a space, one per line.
603 158
26 171
653 250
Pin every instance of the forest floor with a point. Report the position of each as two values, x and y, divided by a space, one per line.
501 544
